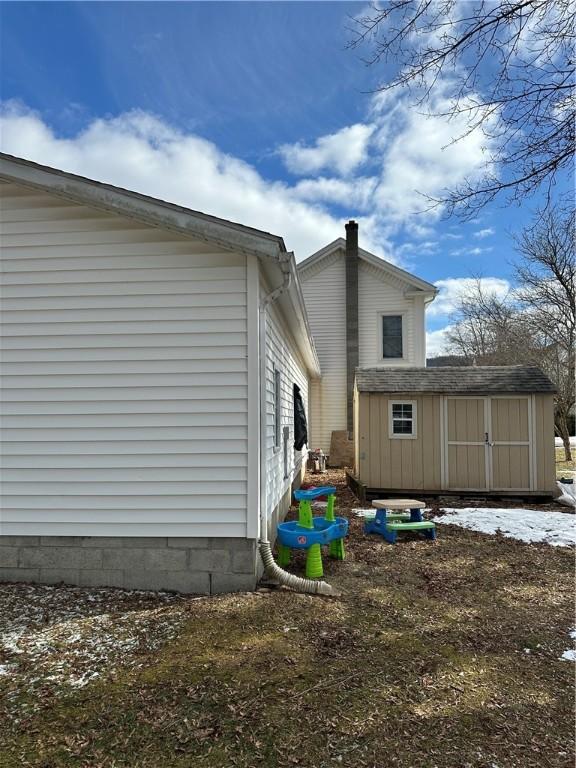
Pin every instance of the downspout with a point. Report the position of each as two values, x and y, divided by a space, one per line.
272 568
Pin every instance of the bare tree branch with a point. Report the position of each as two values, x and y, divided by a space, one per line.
509 67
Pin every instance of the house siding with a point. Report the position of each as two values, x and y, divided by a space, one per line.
124 376
281 353
381 293
324 289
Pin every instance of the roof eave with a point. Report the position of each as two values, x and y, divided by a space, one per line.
148 210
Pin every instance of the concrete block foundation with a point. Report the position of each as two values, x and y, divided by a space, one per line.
201 566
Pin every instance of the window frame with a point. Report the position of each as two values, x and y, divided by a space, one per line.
391 313
403 436
277 407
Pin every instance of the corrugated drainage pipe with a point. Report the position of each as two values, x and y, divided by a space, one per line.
272 568
289 580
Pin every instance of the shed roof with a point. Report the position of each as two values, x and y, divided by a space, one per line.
455 380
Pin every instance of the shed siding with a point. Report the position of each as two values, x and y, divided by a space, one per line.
124 376
399 463
416 464
544 432
281 353
324 289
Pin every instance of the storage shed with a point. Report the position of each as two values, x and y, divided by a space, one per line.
481 429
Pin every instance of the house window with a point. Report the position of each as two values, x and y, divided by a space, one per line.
277 408
402 418
392 346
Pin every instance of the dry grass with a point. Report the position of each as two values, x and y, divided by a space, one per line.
564 468
438 655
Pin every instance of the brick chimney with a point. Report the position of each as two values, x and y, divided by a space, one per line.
352 354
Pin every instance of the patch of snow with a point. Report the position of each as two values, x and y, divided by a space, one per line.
67 637
558 441
555 528
570 654
369 514
567 494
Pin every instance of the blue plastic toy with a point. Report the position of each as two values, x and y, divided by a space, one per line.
389 525
311 533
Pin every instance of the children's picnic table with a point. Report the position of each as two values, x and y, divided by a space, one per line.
397 515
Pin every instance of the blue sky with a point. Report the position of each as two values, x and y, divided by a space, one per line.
256 112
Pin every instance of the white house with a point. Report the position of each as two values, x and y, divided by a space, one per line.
150 354
364 312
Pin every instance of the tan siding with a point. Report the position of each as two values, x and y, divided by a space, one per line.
545 454
124 376
399 463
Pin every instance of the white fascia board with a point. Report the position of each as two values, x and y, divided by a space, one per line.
327 250
292 308
148 210
391 269
401 274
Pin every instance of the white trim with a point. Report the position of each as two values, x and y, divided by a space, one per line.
253 453
380 335
414 434
371 258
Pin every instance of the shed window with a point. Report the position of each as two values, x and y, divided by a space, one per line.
392 337
402 418
277 407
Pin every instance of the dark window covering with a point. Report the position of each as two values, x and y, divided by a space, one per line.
300 423
392 336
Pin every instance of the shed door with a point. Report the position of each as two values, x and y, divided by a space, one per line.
510 440
466 449
488 443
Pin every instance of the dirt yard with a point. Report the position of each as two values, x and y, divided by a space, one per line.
437 655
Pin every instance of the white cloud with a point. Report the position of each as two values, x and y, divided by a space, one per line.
143 153
408 155
346 192
452 289
342 152
436 342
476 251
481 233
423 155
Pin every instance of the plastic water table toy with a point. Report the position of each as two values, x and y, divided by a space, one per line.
311 533
394 516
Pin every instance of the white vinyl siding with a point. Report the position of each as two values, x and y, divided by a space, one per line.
281 355
324 289
382 294
124 376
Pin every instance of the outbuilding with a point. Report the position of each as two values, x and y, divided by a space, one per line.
488 430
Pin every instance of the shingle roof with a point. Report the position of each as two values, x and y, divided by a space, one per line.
459 380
